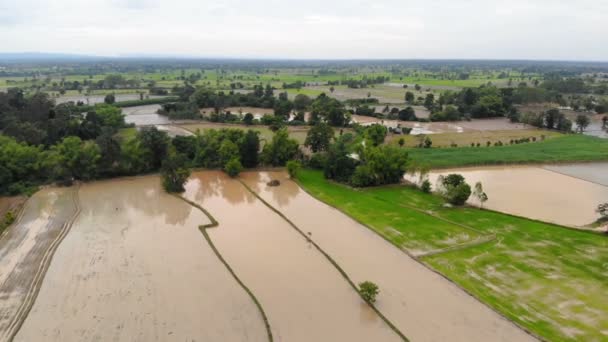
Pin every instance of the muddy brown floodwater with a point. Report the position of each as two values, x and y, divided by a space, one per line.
304 296
135 267
538 193
424 305
25 247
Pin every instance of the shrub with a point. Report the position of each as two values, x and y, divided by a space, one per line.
233 167
426 186
293 167
454 188
369 291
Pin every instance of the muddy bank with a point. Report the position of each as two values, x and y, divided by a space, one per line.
13 204
539 193
144 115
25 251
304 296
425 306
135 267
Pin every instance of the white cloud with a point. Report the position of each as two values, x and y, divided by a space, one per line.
540 29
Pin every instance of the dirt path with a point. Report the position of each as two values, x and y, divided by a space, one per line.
135 267
424 305
304 296
26 249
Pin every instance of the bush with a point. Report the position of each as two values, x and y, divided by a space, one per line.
233 167
174 172
426 186
454 188
318 161
369 291
293 167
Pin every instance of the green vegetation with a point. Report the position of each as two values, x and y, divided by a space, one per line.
546 278
293 168
569 148
174 172
369 291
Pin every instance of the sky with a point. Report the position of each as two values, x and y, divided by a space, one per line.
310 29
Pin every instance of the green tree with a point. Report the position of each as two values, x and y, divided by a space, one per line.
376 134
409 97
233 167
407 114
293 167
301 102
454 189
174 172
74 158
319 137
228 151
109 99
429 101
369 291
582 121
156 144
478 192
249 149
329 109
280 149
248 119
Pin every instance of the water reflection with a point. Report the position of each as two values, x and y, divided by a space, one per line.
144 198
281 194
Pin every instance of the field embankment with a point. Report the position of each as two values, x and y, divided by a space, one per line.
547 278
303 295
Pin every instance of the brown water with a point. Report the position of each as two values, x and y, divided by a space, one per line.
592 172
25 247
135 267
144 115
304 296
480 125
425 306
538 193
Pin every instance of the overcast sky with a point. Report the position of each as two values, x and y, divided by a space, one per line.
505 29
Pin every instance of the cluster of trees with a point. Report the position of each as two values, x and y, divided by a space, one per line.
550 119
109 155
36 120
358 159
364 82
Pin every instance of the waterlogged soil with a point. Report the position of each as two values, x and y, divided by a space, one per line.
11 204
144 115
425 306
481 125
303 294
591 172
538 193
25 247
135 267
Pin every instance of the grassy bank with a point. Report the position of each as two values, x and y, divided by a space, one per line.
568 148
546 278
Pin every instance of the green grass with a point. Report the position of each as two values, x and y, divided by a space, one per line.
549 279
569 148
266 134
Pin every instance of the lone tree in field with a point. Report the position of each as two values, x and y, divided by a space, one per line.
369 291
174 172
480 194
582 121
453 187
319 137
110 99
602 209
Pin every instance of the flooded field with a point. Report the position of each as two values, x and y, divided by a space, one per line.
425 306
539 193
135 267
479 125
591 172
304 296
144 115
93 99
25 251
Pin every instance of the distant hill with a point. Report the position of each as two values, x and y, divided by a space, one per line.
43 56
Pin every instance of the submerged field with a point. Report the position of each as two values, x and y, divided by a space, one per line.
422 304
568 148
135 267
266 134
546 278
